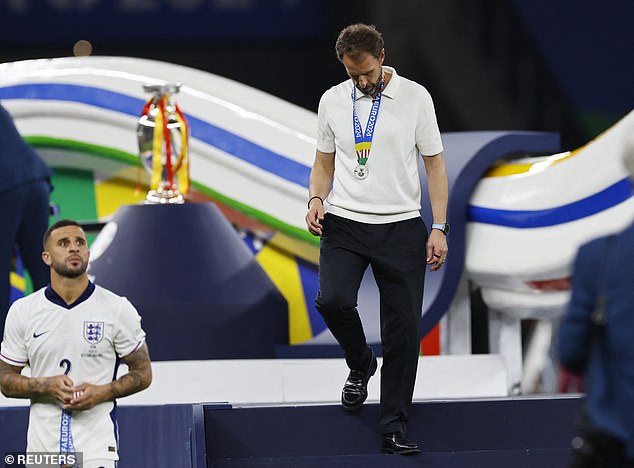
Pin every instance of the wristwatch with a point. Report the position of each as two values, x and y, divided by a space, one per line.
444 227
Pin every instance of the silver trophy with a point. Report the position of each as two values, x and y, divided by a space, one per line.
162 135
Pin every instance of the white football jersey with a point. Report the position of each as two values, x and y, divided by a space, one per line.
84 340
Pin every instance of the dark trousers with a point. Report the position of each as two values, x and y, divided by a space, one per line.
25 211
396 252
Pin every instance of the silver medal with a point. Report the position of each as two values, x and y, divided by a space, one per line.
361 172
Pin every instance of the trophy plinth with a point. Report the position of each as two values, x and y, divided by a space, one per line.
164 195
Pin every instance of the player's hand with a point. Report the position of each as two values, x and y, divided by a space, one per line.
59 387
436 249
86 396
315 218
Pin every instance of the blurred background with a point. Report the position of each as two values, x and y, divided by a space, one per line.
489 64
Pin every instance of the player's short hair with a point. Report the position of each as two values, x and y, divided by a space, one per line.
358 39
58 224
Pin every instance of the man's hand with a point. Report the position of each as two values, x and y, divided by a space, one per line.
436 249
15 385
86 396
319 186
315 217
59 387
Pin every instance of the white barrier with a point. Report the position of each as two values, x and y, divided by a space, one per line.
306 381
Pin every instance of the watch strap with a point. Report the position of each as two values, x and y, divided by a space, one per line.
444 227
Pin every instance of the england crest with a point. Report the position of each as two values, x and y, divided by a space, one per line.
93 332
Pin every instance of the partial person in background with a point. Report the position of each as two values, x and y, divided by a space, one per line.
364 202
72 335
596 340
25 189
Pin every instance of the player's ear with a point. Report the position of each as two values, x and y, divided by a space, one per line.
46 258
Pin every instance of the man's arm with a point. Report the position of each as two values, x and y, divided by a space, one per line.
438 188
138 377
320 182
15 385
576 328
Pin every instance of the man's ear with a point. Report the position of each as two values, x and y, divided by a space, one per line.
46 258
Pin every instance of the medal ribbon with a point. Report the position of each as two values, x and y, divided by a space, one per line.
363 141
66 444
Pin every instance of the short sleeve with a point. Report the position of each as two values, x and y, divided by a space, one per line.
325 135
13 350
129 336
428 139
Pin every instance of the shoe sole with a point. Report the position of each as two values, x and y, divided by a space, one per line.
372 370
401 452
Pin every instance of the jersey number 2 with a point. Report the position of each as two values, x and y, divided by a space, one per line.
65 363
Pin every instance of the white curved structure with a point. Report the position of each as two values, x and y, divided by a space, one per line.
528 217
248 146
254 151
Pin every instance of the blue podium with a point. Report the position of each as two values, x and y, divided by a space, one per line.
199 289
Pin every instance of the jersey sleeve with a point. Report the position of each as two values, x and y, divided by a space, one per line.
129 336
13 350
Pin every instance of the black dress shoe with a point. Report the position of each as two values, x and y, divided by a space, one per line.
355 390
396 442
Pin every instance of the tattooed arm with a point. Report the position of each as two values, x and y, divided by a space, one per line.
139 377
16 385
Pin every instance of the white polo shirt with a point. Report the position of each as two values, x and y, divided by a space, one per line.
84 340
406 127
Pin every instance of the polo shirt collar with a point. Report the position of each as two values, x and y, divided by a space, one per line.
392 87
395 82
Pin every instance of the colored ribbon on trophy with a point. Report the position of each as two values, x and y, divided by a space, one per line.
157 148
162 139
182 164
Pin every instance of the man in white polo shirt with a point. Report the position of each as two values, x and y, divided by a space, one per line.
364 202
72 334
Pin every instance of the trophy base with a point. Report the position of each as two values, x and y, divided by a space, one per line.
164 197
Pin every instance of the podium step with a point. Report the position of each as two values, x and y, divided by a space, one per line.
480 459
518 432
